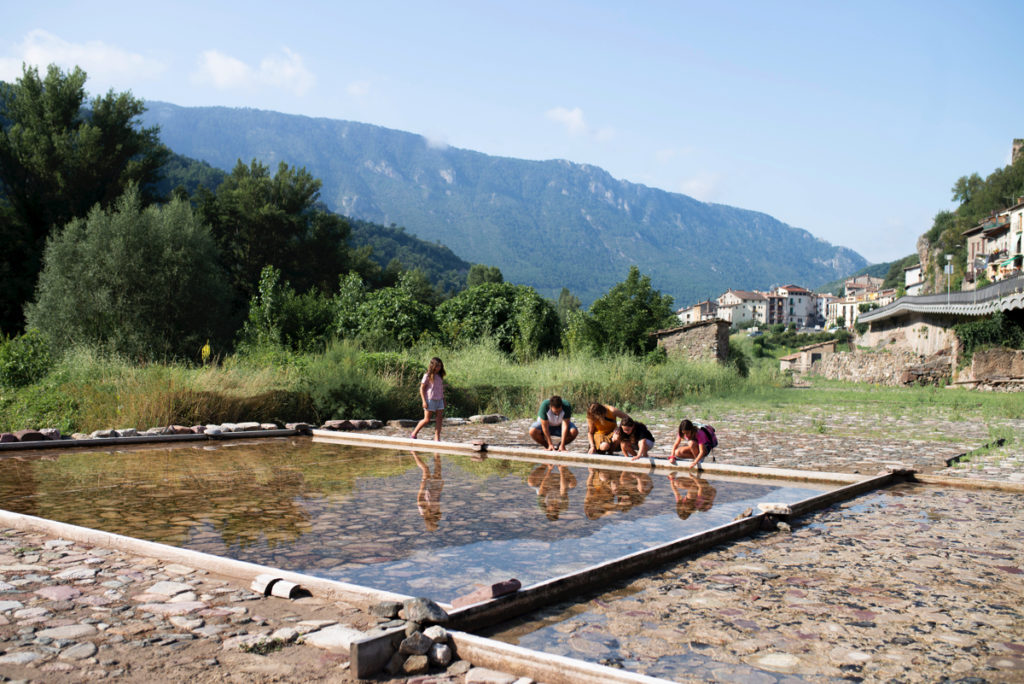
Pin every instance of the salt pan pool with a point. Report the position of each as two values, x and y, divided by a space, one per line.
417 523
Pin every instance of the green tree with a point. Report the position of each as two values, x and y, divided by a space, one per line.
262 220
278 317
480 274
144 282
521 321
567 303
58 159
629 312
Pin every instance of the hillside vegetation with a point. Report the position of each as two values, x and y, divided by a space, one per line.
547 224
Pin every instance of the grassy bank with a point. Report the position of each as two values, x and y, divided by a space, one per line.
85 391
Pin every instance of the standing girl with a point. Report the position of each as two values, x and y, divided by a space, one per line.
432 394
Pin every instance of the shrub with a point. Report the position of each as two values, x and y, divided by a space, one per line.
24 359
141 282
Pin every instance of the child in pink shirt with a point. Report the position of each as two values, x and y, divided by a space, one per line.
432 394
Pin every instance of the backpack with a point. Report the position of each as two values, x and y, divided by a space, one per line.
709 432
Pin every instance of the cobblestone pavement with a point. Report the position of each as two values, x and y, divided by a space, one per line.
839 442
69 612
914 583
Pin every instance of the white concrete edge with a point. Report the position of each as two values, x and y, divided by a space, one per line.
539 666
616 462
43 445
196 559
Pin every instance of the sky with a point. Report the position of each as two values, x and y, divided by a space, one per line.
851 120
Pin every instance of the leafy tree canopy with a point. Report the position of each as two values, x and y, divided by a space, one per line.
58 159
629 312
480 274
144 282
262 220
521 321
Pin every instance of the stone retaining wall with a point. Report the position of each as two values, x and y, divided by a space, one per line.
994 369
879 367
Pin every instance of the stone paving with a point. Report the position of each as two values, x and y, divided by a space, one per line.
914 583
836 442
936 584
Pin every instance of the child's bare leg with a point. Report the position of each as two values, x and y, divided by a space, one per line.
438 421
422 424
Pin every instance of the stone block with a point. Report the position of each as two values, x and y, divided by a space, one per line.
8 437
336 425
103 434
127 432
440 655
30 436
386 609
403 423
51 433
301 428
487 593
775 508
334 638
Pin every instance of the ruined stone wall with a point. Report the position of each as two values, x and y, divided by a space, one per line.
994 369
707 341
879 367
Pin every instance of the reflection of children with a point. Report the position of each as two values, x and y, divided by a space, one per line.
600 497
699 494
428 499
552 484
692 442
432 394
633 489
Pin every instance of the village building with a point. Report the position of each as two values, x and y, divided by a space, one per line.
913 279
798 306
702 311
740 306
801 360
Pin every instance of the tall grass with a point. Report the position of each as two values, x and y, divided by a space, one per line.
86 391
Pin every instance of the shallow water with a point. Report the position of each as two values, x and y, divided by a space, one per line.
417 523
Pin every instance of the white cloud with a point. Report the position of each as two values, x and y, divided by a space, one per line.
572 119
576 124
704 186
436 142
285 71
103 63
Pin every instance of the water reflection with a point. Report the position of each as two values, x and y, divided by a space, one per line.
614 491
692 493
552 484
345 512
428 498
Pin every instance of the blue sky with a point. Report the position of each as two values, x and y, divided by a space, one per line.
849 119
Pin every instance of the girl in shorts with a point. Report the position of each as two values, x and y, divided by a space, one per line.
432 394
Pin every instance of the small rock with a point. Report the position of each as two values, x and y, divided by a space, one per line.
127 432
395 664
80 651
417 644
440 655
437 634
285 634
481 675
386 609
423 610
416 664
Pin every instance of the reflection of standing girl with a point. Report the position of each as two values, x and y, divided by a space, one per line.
428 499
432 394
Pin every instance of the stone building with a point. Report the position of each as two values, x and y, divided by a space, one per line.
704 341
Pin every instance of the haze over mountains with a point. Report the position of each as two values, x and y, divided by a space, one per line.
548 224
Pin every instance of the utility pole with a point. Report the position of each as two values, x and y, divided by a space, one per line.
949 272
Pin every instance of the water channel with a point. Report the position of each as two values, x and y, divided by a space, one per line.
417 523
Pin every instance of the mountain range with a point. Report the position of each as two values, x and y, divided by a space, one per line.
548 224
